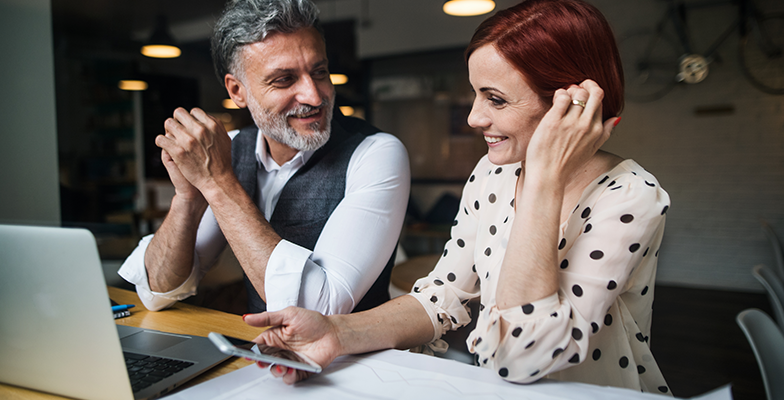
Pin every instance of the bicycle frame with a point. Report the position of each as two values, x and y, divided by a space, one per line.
654 63
678 9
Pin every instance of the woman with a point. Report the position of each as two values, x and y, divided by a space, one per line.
557 239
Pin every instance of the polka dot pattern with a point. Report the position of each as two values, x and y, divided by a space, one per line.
606 228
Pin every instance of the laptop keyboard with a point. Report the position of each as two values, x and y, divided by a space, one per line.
146 370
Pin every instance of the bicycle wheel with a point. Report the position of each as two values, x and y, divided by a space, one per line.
650 64
761 54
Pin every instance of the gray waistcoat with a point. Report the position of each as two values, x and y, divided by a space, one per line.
310 196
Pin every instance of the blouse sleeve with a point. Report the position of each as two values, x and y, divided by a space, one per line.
446 291
611 235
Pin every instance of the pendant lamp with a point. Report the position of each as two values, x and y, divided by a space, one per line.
467 8
161 44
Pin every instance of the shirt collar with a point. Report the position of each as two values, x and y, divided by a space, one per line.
263 157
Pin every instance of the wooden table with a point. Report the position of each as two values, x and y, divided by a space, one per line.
181 318
406 273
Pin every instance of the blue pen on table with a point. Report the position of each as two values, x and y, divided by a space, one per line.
122 307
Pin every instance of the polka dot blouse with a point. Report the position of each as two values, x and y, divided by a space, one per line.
596 329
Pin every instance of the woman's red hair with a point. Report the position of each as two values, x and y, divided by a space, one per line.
557 43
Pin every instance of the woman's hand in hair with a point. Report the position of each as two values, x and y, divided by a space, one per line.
570 133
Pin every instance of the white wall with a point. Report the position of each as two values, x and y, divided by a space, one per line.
723 171
29 191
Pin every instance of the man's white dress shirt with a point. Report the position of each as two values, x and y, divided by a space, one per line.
351 252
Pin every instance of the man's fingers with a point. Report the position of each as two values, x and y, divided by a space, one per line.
202 117
164 142
176 124
165 157
182 116
185 123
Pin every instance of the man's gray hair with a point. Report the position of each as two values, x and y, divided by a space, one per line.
246 22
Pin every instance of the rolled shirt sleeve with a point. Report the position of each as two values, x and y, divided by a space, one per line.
209 244
357 240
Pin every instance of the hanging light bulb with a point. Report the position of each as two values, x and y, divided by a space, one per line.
132 85
229 104
338 79
467 8
161 44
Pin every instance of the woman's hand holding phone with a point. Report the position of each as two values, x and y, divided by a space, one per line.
268 355
306 332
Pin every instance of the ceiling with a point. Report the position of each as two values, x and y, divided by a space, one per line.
121 19
111 32
384 27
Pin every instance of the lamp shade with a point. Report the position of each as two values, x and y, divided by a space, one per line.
467 8
132 85
338 79
161 44
229 104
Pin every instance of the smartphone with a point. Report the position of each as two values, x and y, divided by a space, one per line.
269 355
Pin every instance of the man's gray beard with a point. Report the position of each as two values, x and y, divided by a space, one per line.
277 128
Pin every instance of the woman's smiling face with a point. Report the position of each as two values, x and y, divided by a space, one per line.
506 109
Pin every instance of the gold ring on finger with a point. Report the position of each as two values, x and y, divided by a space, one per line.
578 103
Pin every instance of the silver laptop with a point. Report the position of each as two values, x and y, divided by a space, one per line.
57 330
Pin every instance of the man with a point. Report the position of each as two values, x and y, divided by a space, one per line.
311 205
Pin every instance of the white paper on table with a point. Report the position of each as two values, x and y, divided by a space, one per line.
394 374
